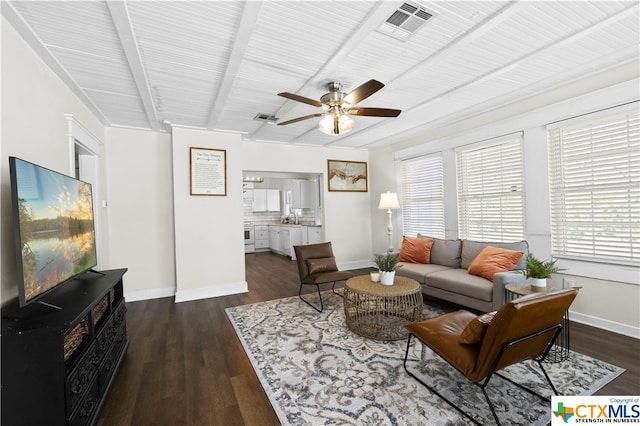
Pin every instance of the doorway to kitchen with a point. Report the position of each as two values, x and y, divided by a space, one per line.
281 209
282 197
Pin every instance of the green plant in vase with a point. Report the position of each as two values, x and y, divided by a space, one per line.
387 264
539 270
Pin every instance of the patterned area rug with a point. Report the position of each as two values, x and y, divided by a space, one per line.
315 371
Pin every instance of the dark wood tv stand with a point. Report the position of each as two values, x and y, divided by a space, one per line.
58 365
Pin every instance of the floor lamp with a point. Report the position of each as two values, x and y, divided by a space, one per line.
388 201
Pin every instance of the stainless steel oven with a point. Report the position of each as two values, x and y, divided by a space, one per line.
249 239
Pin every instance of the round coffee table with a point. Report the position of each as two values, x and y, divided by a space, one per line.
380 311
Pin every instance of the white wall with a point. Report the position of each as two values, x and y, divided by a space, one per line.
34 128
347 215
192 246
384 179
209 243
209 250
140 207
610 295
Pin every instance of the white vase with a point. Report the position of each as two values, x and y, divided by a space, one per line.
539 284
386 277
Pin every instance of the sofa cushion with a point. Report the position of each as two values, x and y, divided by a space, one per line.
445 252
494 259
415 250
418 271
471 249
459 281
476 329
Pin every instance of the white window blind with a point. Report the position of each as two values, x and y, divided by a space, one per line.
423 196
595 189
491 191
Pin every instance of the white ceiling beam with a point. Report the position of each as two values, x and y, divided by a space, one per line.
480 29
379 13
584 32
250 14
27 33
122 22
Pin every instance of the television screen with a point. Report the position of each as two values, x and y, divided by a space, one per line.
54 229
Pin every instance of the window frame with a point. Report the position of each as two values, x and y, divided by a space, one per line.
564 190
492 197
431 195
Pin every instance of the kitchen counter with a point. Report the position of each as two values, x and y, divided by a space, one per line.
283 224
282 237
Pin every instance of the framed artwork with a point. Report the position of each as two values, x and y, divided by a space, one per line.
348 176
208 171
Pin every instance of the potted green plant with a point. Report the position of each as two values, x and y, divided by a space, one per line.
539 270
387 264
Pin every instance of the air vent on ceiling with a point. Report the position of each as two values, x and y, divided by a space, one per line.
269 118
405 21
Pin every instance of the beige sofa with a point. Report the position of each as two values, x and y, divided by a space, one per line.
446 277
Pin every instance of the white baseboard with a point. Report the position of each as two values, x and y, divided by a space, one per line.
155 293
604 324
217 290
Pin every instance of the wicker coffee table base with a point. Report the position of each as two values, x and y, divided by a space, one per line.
380 312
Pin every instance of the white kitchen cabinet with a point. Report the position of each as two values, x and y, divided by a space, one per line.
275 243
285 241
273 200
300 194
282 238
266 200
295 239
314 234
261 237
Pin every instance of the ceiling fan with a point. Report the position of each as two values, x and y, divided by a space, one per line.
338 106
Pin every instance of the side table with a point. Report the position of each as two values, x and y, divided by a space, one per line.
380 311
560 350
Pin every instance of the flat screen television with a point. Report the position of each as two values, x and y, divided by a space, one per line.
53 226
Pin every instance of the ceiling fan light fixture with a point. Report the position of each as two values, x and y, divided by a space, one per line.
338 107
336 124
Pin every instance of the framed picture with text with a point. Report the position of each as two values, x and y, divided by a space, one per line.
347 176
208 171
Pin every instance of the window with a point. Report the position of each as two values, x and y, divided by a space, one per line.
594 180
423 196
491 191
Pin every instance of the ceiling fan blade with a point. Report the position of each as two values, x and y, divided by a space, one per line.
374 112
363 91
295 120
299 98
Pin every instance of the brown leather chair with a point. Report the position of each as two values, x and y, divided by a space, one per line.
479 346
317 265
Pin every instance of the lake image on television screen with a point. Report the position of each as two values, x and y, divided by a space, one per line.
56 229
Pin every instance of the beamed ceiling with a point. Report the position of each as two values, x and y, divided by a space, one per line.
217 64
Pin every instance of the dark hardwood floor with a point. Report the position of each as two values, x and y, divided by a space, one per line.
185 365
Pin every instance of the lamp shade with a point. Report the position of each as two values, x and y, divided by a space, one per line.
388 200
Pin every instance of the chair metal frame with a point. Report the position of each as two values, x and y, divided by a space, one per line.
557 328
325 276
333 288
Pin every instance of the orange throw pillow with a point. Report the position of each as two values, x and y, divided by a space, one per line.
415 250
476 329
494 259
